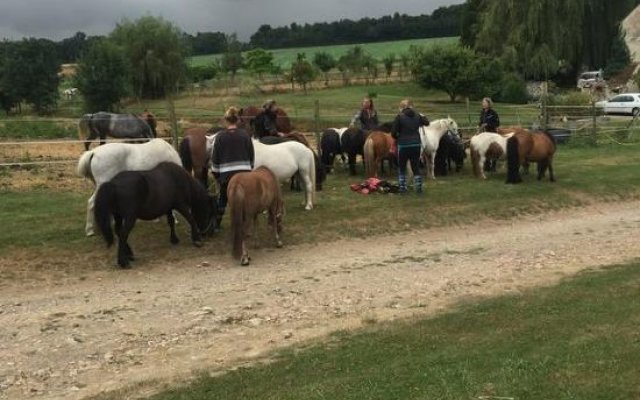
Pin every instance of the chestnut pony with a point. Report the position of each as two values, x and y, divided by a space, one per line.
193 152
525 147
250 194
377 148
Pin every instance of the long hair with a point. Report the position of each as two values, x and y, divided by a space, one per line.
513 160
105 202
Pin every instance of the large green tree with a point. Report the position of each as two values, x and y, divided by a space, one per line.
232 59
259 62
302 71
30 73
156 54
103 76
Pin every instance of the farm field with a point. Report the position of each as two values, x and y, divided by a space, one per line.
379 50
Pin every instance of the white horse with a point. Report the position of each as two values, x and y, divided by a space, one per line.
284 160
103 163
487 146
430 138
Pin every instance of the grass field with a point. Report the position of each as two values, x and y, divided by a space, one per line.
578 340
284 57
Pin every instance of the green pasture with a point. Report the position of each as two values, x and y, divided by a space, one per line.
379 50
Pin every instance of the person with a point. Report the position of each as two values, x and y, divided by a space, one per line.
265 123
367 116
232 153
406 131
489 122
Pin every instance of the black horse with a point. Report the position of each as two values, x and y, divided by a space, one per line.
352 144
321 174
148 195
122 126
330 148
450 149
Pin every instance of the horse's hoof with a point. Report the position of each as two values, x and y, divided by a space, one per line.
90 233
197 243
308 207
279 244
124 265
174 240
245 261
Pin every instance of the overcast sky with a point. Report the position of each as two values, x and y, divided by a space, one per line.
58 19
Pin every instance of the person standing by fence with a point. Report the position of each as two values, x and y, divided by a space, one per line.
406 132
232 153
489 122
367 116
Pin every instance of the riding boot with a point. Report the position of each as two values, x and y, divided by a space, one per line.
402 183
417 183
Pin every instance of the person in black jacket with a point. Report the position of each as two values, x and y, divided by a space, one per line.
265 123
232 153
367 116
405 131
489 122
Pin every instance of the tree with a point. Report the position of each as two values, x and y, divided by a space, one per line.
70 49
325 63
232 59
155 52
30 73
259 62
388 62
457 71
103 76
302 71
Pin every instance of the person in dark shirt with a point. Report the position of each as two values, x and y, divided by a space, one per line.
405 131
489 122
366 117
232 153
265 123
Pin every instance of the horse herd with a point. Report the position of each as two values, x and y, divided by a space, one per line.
150 180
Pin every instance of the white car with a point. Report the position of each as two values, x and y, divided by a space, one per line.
626 103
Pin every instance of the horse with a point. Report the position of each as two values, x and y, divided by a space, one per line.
526 147
486 146
148 195
352 143
194 155
320 173
430 139
450 149
250 194
377 148
248 115
124 126
330 147
287 159
70 93
103 163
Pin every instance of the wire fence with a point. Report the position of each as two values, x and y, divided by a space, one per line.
570 124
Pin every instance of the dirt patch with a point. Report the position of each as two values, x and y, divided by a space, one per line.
85 327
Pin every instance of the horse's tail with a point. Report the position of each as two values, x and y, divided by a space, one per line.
84 165
185 154
312 169
105 201
370 157
83 127
513 160
475 162
237 219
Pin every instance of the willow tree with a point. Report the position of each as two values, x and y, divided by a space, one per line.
566 33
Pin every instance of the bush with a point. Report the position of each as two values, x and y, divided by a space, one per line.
570 99
514 90
200 73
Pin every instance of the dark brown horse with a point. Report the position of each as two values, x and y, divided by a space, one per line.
249 114
525 147
194 155
251 193
377 148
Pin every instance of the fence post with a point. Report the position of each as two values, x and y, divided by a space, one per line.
545 112
316 123
594 130
173 120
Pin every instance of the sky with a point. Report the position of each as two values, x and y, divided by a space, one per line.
58 19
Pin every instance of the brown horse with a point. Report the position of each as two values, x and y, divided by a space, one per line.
194 155
377 148
525 147
251 193
249 114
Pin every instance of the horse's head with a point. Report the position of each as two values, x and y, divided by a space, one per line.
206 213
452 127
150 119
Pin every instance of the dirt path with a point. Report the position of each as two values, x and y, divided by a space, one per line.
117 328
